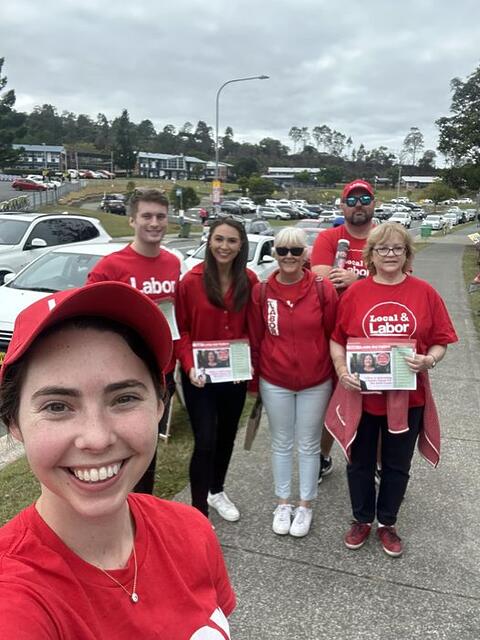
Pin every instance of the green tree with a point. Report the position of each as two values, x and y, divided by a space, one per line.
243 184
260 188
187 199
125 156
245 167
203 139
146 136
413 142
303 177
427 161
331 175
273 148
103 137
44 125
438 191
460 133
304 135
11 123
296 135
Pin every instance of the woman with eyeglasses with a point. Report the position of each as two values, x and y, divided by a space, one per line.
290 321
212 302
389 303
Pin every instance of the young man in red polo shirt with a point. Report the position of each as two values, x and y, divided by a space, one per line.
357 204
146 265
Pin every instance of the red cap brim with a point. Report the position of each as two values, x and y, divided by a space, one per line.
112 300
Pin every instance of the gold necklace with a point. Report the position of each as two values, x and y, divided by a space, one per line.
133 595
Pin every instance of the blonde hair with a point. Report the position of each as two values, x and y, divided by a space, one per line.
382 233
290 237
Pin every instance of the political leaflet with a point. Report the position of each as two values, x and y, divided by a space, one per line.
222 361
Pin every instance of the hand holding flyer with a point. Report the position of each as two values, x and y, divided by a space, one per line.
226 361
380 364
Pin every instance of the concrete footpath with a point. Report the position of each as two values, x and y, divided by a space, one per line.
315 588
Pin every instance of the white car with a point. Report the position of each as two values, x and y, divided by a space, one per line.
246 204
274 213
450 218
25 236
260 259
433 221
402 217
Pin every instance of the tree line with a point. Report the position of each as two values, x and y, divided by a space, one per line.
322 146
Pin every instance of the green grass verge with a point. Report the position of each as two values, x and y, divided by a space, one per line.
19 488
471 268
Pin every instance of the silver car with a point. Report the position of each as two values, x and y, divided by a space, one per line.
25 236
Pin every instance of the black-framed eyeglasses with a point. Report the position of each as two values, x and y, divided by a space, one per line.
295 251
365 199
397 250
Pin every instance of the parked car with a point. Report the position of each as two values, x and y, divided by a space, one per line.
27 184
259 227
470 214
450 218
402 217
383 212
116 206
59 269
273 212
230 207
260 259
25 236
246 204
111 197
434 221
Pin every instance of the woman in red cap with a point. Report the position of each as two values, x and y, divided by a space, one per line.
81 387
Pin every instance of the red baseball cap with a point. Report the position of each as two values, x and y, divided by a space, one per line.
112 300
357 184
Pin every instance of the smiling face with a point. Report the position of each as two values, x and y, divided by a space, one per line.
290 266
149 223
368 361
88 418
225 244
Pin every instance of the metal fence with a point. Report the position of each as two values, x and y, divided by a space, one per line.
37 199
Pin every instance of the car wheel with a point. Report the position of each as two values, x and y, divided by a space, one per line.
278 217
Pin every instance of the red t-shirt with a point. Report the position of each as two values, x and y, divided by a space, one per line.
325 248
156 277
47 591
412 309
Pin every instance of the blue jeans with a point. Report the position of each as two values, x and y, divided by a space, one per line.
295 415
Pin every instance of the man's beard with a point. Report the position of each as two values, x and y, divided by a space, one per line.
359 218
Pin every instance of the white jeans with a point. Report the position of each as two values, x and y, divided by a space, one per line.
295 415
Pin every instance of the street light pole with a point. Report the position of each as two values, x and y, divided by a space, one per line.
217 112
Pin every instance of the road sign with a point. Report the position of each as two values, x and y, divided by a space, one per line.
216 191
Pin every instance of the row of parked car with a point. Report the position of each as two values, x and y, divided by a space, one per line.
282 209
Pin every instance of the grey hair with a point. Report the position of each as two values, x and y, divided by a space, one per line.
290 237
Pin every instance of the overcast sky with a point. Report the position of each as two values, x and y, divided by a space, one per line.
370 69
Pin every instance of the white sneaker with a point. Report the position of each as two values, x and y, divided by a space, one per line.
282 519
301 522
224 506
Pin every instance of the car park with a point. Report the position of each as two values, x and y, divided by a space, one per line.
246 204
436 222
229 206
313 223
25 236
259 227
260 259
402 217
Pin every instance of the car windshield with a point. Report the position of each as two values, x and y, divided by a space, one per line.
12 231
200 252
55 271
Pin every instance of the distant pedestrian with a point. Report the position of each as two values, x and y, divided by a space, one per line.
203 213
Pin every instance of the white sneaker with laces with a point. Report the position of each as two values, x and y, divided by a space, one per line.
224 506
301 522
282 519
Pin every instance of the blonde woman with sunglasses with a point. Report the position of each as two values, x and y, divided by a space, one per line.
290 320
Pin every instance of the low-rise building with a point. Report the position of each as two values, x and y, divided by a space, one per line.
38 157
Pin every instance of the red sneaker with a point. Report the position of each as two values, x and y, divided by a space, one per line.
391 541
357 536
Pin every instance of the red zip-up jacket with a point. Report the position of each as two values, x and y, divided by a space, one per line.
290 340
198 319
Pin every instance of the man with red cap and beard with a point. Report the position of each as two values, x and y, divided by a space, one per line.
357 204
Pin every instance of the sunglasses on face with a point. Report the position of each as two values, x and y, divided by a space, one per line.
397 250
351 201
295 251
